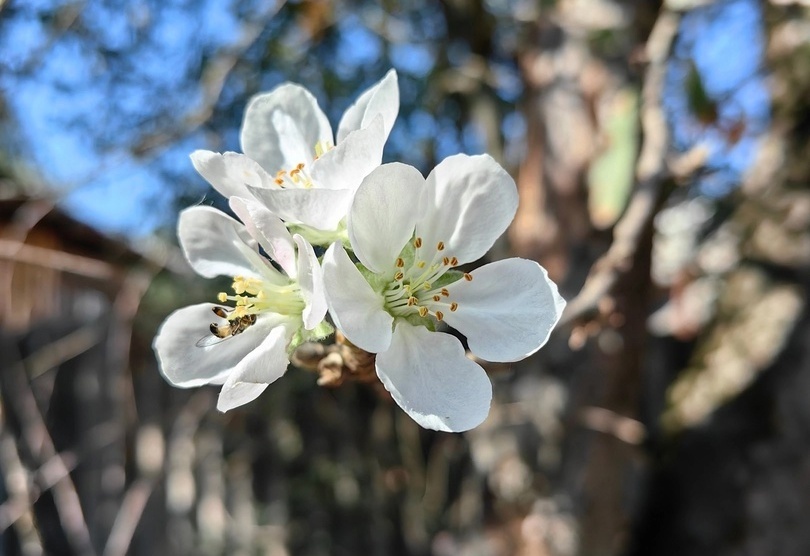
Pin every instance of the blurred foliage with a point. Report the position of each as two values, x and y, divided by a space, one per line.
106 98
140 85
612 173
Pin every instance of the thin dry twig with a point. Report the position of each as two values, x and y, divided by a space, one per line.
129 515
213 79
17 510
40 444
652 172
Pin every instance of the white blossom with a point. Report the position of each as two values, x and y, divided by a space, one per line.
291 161
246 346
409 233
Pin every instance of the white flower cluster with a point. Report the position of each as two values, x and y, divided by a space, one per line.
392 240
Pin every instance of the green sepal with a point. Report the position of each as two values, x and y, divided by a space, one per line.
416 320
297 339
407 254
301 335
447 278
321 331
377 282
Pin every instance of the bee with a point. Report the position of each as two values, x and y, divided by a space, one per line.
220 332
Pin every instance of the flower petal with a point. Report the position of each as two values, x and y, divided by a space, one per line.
429 377
356 308
217 245
185 364
383 215
310 279
381 99
468 203
507 311
322 209
230 173
282 127
268 230
261 367
345 166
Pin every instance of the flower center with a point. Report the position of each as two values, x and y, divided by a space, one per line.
298 177
413 289
252 297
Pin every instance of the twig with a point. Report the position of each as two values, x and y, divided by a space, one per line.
651 173
213 79
62 350
129 515
17 510
40 444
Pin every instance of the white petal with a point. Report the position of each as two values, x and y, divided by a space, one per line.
383 215
381 99
230 173
282 127
261 367
310 279
432 381
322 209
217 245
356 308
235 394
185 364
345 166
468 203
268 230
507 311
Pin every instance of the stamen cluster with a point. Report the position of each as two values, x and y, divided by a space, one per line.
412 290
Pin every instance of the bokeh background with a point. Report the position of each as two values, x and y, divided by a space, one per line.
662 155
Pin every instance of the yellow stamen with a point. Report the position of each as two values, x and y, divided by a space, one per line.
445 292
423 311
417 242
453 306
400 263
468 276
440 246
439 315
437 298
412 301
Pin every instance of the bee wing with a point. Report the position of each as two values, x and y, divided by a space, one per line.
210 340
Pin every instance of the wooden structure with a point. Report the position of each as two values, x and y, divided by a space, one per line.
68 298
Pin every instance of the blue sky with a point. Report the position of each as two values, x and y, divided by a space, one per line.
118 193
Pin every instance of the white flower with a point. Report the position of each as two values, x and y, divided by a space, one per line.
244 347
409 233
292 162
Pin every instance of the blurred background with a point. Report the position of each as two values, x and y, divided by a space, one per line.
661 154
